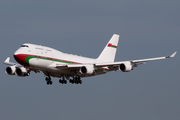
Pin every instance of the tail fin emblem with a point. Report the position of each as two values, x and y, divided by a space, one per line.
110 45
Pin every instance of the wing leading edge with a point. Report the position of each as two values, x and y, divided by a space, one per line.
135 62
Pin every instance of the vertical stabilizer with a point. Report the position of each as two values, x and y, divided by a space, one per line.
109 52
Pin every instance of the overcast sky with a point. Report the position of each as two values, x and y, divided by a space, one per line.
148 28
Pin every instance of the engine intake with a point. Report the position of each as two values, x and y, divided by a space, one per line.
21 72
10 70
88 69
125 67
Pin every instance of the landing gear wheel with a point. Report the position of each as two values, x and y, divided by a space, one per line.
76 80
80 81
48 80
65 81
62 81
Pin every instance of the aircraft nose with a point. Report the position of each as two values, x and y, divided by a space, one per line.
20 58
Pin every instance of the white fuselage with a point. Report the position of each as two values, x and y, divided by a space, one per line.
46 59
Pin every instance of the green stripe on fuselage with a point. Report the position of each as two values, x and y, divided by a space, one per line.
30 57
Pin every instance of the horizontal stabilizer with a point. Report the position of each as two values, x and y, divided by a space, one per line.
7 61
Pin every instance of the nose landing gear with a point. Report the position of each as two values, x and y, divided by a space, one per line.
48 80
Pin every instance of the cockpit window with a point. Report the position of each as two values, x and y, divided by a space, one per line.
24 46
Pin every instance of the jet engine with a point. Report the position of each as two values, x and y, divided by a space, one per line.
126 67
22 72
10 70
88 69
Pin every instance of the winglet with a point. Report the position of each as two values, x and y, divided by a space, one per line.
173 55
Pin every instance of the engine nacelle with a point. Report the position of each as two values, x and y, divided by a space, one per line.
10 70
22 72
88 69
126 67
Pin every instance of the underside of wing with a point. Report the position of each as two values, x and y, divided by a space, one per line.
84 69
127 66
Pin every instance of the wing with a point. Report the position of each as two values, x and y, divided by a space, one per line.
101 68
134 63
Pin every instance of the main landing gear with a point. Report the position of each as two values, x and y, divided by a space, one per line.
63 81
74 80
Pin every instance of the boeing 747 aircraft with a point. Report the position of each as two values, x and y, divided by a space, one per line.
54 63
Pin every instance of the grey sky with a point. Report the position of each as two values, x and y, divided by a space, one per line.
148 28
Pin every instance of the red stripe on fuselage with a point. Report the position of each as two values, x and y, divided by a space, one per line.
21 59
